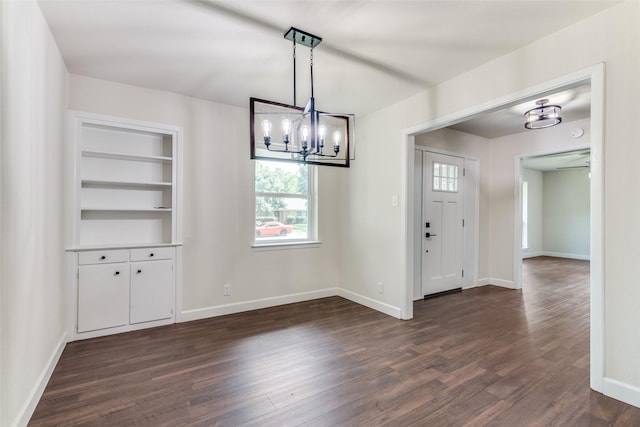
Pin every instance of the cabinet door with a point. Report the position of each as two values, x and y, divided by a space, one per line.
103 296
151 291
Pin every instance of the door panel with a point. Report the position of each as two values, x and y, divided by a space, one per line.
442 231
151 290
103 296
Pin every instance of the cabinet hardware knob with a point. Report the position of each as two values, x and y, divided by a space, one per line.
117 273
103 257
151 254
139 271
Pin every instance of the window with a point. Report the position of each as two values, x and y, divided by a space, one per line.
284 203
445 177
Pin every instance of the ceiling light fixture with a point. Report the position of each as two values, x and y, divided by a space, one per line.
543 116
302 132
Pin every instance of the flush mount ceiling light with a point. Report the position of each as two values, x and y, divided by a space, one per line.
543 116
291 133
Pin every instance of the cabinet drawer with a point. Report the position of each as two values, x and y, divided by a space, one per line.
149 254
103 257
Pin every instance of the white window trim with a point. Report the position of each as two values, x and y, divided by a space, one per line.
312 217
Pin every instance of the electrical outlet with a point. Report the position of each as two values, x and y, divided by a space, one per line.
380 288
227 290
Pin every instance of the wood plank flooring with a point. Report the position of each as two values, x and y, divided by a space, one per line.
483 357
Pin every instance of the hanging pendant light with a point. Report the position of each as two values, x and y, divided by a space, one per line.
291 133
543 116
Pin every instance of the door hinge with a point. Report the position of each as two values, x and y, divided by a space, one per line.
464 171
463 222
462 273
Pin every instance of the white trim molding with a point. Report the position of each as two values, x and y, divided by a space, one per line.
371 303
239 307
624 392
29 406
509 284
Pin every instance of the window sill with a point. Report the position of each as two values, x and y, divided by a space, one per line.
277 246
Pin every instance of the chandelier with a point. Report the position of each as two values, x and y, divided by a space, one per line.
543 116
291 133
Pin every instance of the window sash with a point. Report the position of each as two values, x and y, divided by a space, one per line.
311 212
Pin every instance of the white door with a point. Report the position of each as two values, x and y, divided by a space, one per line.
442 228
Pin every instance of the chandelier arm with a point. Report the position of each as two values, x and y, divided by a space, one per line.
286 149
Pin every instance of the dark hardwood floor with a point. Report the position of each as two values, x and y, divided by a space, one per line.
485 356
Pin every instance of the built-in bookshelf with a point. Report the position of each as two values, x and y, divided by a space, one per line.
124 189
124 230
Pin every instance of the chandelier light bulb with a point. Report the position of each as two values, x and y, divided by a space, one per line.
322 131
266 128
305 133
336 138
286 127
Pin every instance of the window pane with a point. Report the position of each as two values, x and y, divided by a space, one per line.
278 177
445 177
281 218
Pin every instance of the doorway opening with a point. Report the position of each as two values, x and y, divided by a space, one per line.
555 206
593 76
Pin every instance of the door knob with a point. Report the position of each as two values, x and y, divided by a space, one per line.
427 235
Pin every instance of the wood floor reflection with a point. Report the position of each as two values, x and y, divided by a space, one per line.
485 356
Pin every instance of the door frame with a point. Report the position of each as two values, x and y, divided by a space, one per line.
471 214
595 75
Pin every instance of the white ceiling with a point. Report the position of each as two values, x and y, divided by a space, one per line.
578 159
373 54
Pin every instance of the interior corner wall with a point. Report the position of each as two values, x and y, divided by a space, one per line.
32 288
609 37
535 205
217 190
566 213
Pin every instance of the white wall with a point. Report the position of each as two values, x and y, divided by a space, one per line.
534 210
566 213
217 196
32 288
612 37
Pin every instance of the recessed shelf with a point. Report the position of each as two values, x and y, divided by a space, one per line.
114 183
124 156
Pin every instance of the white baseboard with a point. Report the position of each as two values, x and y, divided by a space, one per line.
26 412
496 282
371 303
531 254
570 256
621 391
239 307
557 255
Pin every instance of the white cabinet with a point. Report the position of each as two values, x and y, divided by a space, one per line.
151 291
103 296
124 239
124 289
